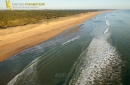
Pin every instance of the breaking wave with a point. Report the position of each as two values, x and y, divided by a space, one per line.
99 65
108 24
27 76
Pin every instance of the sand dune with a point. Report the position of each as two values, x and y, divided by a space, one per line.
16 39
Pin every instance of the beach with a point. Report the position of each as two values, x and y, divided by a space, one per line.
85 53
16 39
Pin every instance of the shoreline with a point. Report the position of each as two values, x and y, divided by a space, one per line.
20 38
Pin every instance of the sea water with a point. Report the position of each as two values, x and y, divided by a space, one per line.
95 52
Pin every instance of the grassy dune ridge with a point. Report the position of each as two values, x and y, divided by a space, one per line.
23 17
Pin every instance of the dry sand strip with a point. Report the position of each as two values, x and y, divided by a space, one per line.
14 40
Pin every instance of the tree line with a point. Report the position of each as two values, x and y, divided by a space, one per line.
23 17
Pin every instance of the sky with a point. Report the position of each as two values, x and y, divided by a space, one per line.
75 4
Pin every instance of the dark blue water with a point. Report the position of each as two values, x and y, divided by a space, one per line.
95 52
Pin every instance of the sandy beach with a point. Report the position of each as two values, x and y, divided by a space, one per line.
16 39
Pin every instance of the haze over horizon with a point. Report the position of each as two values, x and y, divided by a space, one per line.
75 4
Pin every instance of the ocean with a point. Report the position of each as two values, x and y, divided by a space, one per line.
95 52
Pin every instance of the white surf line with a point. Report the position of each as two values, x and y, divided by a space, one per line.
98 65
77 37
31 68
28 70
106 31
108 24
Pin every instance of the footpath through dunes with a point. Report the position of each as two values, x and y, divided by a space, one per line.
20 40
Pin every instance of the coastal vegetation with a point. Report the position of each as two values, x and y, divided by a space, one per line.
23 17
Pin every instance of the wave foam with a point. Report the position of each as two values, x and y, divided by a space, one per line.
108 24
77 37
30 71
100 65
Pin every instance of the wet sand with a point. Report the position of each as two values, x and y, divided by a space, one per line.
16 39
